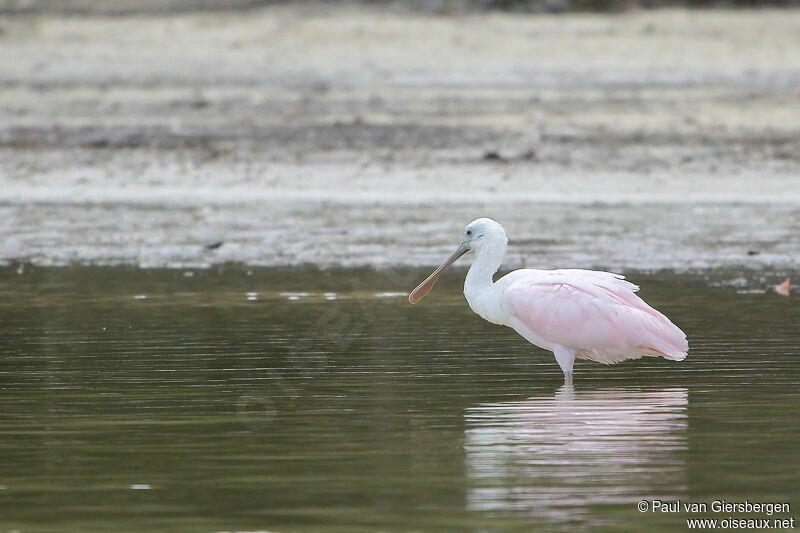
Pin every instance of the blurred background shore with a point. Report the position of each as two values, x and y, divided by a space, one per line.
158 7
191 133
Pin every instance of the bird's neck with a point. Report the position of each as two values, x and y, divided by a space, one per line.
480 275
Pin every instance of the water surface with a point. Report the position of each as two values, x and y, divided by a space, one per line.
299 400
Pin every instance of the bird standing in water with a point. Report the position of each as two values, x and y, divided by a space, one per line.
576 314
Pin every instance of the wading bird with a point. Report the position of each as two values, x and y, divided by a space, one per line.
583 314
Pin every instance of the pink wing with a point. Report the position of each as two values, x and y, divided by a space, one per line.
595 313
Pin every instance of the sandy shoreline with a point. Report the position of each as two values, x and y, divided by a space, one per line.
647 140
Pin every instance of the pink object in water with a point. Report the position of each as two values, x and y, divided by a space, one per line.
583 314
783 288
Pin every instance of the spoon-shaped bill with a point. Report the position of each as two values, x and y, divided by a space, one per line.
426 286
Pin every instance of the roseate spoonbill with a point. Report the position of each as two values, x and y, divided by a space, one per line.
583 314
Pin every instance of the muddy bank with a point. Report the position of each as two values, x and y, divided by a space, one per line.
445 7
369 137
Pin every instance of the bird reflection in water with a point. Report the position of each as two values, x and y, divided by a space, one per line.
554 457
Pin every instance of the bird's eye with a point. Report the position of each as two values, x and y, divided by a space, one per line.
469 232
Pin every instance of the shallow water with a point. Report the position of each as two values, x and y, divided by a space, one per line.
299 400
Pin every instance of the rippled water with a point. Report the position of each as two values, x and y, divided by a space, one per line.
321 401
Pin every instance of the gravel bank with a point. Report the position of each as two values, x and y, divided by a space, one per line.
645 140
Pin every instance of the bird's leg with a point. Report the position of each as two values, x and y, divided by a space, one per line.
566 358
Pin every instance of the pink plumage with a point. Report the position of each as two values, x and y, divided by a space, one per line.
597 314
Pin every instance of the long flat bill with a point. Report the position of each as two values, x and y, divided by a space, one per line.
426 286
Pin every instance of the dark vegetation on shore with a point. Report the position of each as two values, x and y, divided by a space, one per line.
160 7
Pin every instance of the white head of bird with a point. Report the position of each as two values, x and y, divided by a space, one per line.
574 313
488 239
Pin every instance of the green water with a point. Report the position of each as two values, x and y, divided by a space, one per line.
281 400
